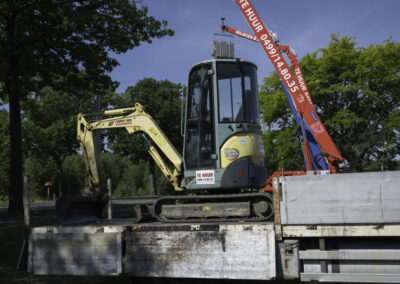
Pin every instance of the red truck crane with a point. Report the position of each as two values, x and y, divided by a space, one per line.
319 151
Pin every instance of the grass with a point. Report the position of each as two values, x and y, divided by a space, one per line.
3 200
11 238
32 200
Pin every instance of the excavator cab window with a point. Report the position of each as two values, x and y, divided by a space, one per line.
237 92
199 134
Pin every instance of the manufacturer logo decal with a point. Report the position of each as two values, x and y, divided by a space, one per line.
231 154
123 122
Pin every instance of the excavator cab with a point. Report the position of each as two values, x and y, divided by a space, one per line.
223 155
223 148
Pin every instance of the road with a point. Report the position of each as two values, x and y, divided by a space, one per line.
120 201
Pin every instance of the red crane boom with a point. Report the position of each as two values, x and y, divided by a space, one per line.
295 85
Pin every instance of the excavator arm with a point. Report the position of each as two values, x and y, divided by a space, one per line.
89 206
134 120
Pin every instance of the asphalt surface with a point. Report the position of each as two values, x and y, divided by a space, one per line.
120 201
51 206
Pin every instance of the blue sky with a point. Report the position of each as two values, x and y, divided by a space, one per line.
305 25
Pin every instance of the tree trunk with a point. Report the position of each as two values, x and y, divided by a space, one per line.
15 204
67 183
152 187
60 177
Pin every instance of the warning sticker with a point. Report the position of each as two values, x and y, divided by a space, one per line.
205 177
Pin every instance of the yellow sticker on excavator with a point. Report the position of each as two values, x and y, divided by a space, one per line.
241 146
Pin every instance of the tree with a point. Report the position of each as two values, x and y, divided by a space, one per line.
162 100
356 91
40 169
4 153
50 126
42 42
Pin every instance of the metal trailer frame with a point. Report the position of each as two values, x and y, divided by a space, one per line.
337 241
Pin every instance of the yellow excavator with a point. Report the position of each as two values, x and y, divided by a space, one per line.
222 168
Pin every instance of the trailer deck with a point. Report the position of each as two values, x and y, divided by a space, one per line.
339 228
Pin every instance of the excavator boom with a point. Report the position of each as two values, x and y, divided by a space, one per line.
133 120
89 208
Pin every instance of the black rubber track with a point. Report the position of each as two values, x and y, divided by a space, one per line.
222 198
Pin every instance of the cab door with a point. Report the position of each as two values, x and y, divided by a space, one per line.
200 134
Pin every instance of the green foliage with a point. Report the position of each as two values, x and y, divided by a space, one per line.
162 100
50 134
50 123
49 126
64 46
356 92
129 178
40 171
282 150
52 39
116 168
134 179
75 166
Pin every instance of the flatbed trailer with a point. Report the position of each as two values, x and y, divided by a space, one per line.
334 228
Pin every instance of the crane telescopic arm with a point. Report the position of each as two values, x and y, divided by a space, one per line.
305 144
295 89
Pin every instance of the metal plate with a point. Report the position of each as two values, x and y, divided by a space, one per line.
202 251
360 198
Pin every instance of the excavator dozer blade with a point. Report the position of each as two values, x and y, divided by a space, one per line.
79 209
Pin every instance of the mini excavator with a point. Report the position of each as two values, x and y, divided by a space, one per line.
222 168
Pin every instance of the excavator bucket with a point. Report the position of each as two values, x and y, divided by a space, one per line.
79 209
